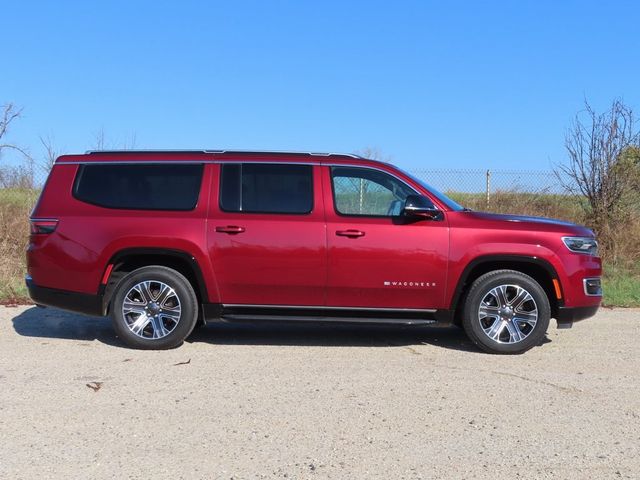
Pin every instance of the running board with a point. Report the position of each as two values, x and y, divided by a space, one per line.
238 317
216 312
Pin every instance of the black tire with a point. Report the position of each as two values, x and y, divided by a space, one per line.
175 313
501 287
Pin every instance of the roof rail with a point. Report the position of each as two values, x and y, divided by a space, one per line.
91 152
253 152
285 152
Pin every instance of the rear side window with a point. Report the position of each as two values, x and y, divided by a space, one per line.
266 188
139 187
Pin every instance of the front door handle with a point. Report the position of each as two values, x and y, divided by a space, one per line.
350 233
230 229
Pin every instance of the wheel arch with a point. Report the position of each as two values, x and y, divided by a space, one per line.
537 268
129 259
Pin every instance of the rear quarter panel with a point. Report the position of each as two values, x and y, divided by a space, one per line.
75 256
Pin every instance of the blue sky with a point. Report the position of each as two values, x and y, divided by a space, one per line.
431 84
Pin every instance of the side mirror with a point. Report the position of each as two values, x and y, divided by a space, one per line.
419 206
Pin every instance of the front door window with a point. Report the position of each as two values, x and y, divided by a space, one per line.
368 192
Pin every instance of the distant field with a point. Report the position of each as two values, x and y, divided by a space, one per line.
622 284
563 207
15 206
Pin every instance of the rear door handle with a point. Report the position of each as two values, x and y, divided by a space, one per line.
350 233
230 229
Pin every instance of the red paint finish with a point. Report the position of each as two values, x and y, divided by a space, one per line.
316 259
270 259
383 263
476 234
75 256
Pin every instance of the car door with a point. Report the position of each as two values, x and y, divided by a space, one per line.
266 231
378 258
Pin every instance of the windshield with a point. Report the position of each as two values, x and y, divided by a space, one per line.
452 204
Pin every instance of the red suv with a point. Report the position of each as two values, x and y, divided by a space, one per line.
163 240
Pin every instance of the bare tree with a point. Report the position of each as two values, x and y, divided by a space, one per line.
20 176
130 143
9 114
595 144
373 153
100 142
50 152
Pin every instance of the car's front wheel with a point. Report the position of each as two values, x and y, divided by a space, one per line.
154 308
506 312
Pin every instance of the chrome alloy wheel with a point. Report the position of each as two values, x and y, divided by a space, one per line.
508 314
151 309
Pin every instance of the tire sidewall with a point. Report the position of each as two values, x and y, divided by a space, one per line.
188 304
477 293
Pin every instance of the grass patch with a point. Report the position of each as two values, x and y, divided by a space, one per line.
14 292
18 197
562 207
15 207
621 288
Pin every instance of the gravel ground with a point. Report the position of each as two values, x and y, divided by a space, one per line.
291 401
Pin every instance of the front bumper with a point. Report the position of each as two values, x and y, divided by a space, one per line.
73 301
567 315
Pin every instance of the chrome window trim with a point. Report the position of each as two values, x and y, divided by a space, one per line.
272 162
275 161
313 192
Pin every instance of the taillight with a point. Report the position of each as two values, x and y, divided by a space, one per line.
43 225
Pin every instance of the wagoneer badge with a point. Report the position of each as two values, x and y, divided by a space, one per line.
388 283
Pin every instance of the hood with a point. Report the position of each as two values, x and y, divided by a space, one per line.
541 222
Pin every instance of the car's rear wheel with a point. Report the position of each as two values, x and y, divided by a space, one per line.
506 312
154 308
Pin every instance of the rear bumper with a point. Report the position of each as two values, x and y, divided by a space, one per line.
72 301
567 315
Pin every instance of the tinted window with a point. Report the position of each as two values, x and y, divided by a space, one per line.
365 191
265 188
139 187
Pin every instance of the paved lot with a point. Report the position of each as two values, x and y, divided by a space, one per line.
316 402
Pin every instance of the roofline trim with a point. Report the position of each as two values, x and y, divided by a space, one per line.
238 152
92 152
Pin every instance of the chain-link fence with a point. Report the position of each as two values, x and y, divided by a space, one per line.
528 192
540 193
455 181
34 175
362 196
488 181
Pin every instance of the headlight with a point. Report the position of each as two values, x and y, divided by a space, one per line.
586 245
